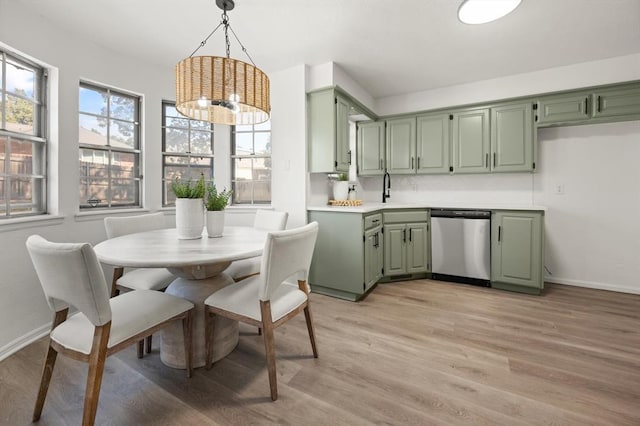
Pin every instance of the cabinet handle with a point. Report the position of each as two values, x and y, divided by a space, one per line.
404 235
377 239
598 106
499 233
494 159
586 106
410 233
412 162
486 160
418 164
349 153
375 221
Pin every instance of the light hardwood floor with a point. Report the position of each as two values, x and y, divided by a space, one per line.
417 352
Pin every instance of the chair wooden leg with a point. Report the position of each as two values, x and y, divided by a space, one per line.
94 376
269 347
149 343
140 347
187 334
209 331
47 370
302 285
312 336
118 271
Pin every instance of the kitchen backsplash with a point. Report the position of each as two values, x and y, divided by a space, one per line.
512 188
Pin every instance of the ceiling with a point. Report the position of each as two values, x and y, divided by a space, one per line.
389 47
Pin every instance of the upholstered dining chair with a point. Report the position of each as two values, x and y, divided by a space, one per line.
267 220
269 299
140 278
71 275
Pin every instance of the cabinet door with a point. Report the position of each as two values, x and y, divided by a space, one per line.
321 109
516 248
401 145
371 149
612 103
432 144
512 138
343 153
373 257
563 108
471 141
417 248
395 260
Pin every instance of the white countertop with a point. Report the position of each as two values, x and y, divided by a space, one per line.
370 207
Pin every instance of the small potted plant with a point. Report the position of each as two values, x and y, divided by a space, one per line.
189 207
215 204
341 187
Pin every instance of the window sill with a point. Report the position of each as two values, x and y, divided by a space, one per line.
26 222
239 208
86 216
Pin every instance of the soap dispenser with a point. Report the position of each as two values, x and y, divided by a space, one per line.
352 192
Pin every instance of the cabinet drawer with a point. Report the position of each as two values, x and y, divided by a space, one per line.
372 221
406 216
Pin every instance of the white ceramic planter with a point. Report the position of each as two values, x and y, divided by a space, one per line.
215 223
340 190
189 218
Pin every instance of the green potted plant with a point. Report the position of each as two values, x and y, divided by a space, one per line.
215 204
341 187
189 207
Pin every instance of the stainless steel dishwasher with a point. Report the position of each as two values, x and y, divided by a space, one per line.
460 245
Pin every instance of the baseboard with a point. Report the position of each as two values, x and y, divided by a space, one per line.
22 341
590 284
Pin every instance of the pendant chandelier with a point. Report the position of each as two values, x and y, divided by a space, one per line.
219 89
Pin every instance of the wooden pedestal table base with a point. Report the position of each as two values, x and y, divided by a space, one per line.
196 291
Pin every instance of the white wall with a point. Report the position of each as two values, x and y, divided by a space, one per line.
592 228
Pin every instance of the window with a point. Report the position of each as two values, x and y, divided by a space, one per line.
109 141
251 163
23 144
187 150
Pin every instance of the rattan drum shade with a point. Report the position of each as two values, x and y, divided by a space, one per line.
222 90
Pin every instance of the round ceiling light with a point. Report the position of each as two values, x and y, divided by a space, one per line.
483 11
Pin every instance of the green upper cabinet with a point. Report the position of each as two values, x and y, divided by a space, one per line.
328 132
623 103
471 141
512 138
567 108
517 245
433 143
401 145
371 151
343 153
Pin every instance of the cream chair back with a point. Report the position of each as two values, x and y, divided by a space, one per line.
286 253
118 226
270 220
70 274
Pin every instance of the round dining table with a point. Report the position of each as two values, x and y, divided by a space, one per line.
198 265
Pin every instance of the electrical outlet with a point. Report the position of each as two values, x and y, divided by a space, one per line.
558 189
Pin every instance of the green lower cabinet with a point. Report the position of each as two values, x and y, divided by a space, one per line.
517 246
406 245
347 254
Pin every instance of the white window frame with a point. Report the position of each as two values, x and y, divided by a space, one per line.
188 155
38 139
251 156
110 150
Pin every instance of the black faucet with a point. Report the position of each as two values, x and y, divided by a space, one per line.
386 186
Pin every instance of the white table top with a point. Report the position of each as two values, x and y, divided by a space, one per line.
163 249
